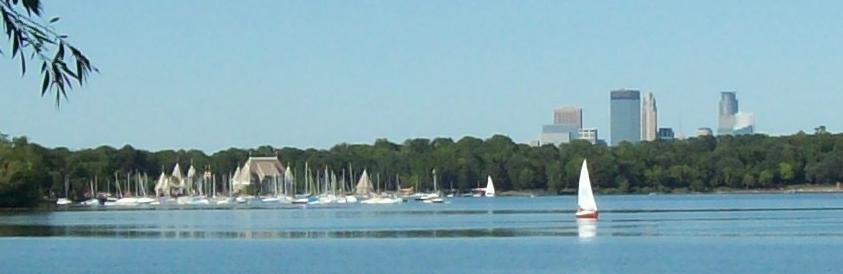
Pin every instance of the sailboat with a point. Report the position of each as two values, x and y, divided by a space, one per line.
93 199
586 206
435 197
65 200
490 187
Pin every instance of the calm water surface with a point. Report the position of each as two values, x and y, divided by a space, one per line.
756 233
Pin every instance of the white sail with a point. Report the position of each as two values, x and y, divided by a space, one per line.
235 179
364 186
177 172
191 172
490 187
585 197
161 187
191 175
288 174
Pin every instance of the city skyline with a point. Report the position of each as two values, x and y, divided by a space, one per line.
322 74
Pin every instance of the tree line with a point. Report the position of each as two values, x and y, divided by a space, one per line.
30 173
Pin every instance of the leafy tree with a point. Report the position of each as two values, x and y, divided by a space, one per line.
786 172
30 34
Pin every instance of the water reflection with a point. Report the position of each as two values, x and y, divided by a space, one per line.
586 228
163 233
499 218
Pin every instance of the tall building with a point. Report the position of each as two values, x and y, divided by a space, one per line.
730 120
568 116
728 109
625 116
649 118
567 121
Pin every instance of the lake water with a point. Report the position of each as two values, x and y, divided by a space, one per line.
753 233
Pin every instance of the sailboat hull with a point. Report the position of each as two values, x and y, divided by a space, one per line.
586 214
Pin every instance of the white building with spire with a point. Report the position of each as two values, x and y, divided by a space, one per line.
649 118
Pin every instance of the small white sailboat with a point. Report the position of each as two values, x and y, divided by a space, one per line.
64 201
490 187
93 200
586 206
436 196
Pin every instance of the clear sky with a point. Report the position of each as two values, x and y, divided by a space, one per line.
213 74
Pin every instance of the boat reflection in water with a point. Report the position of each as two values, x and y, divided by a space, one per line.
586 228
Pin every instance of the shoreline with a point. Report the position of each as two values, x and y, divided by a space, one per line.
793 189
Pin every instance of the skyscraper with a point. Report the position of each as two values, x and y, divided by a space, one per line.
728 109
730 120
568 116
649 118
626 116
566 124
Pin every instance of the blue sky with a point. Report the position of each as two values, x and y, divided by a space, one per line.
214 74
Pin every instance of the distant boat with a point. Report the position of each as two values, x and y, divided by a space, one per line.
65 200
490 187
436 196
586 206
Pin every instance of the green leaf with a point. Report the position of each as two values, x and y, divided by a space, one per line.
22 65
15 46
32 6
54 19
45 84
60 52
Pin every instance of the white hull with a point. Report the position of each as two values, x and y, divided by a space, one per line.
91 202
436 200
382 201
270 200
126 202
145 200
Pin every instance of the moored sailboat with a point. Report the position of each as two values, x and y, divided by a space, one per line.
586 206
490 187
66 200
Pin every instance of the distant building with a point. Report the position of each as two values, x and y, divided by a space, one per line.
567 121
558 134
730 120
704 131
649 118
568 116
665 134
266 173
744 124
625 116
726 115
588 134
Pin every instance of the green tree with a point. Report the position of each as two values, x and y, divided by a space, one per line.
766 177
30 34
786 172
